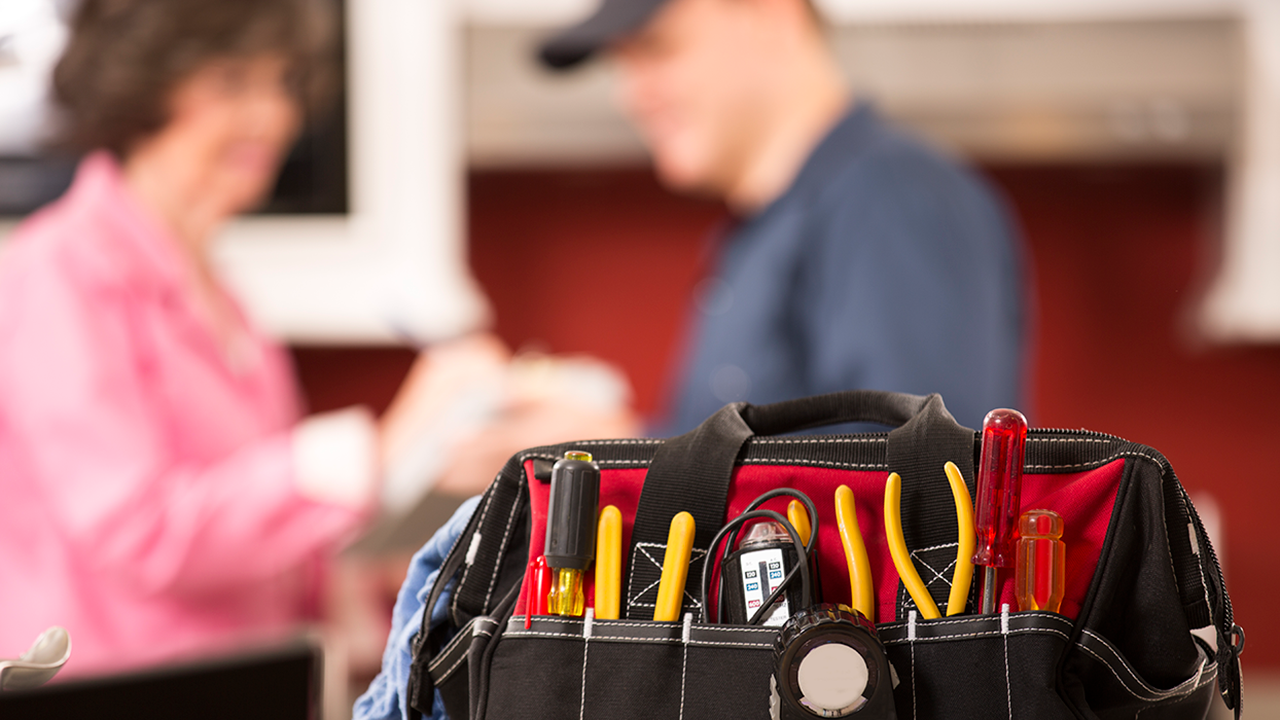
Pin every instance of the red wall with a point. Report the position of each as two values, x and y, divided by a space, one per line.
600 262
603 261
1121 255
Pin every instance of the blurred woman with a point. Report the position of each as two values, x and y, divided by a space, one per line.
159 493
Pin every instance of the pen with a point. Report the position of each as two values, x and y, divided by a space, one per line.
675 568
609 564
571 525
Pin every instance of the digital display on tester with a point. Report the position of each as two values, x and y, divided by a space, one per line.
762 573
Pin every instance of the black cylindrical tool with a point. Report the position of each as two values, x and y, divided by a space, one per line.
571 529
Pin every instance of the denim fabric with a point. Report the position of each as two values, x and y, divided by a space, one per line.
385 699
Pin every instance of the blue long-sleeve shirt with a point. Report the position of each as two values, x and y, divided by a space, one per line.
884 266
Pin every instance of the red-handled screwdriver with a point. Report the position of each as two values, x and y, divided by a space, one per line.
1004 437
539 588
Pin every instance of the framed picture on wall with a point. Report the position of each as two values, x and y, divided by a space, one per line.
361 240
33 171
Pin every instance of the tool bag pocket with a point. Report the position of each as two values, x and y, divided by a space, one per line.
618 669
1122 645
972 667
1119 690
979 666
646 670
1010 665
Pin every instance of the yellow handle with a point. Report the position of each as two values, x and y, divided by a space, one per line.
609 563
963 574
675 568
855 554
898 549
799 517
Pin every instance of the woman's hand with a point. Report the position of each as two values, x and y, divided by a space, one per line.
468 405
433 388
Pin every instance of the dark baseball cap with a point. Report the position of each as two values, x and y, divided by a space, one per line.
613 20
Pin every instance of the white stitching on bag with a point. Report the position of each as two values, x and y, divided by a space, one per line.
684 659
588 620
765 440
475 630
454 605
633 599
502 550
1096 463
1138 681
1101 441
1004 630
984 633
911 638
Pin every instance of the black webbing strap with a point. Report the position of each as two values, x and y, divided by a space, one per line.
1186 560
885 408
420 693
690 472
1212 593
507 490
918 451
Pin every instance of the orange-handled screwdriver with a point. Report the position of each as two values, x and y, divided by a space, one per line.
1042 561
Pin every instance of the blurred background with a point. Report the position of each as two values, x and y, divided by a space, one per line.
1137 142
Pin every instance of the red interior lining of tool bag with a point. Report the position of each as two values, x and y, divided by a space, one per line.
1084 500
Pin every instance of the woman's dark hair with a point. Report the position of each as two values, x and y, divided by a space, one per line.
125 57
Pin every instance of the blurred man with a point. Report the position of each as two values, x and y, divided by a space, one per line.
859 258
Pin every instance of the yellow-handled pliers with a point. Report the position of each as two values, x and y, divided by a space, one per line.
855 554
963 573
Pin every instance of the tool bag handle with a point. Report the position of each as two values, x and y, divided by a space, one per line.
692 472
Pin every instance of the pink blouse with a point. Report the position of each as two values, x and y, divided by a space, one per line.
148 500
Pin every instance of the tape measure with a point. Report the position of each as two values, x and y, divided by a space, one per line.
829 663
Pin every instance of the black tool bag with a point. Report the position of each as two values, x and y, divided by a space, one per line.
1146 627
